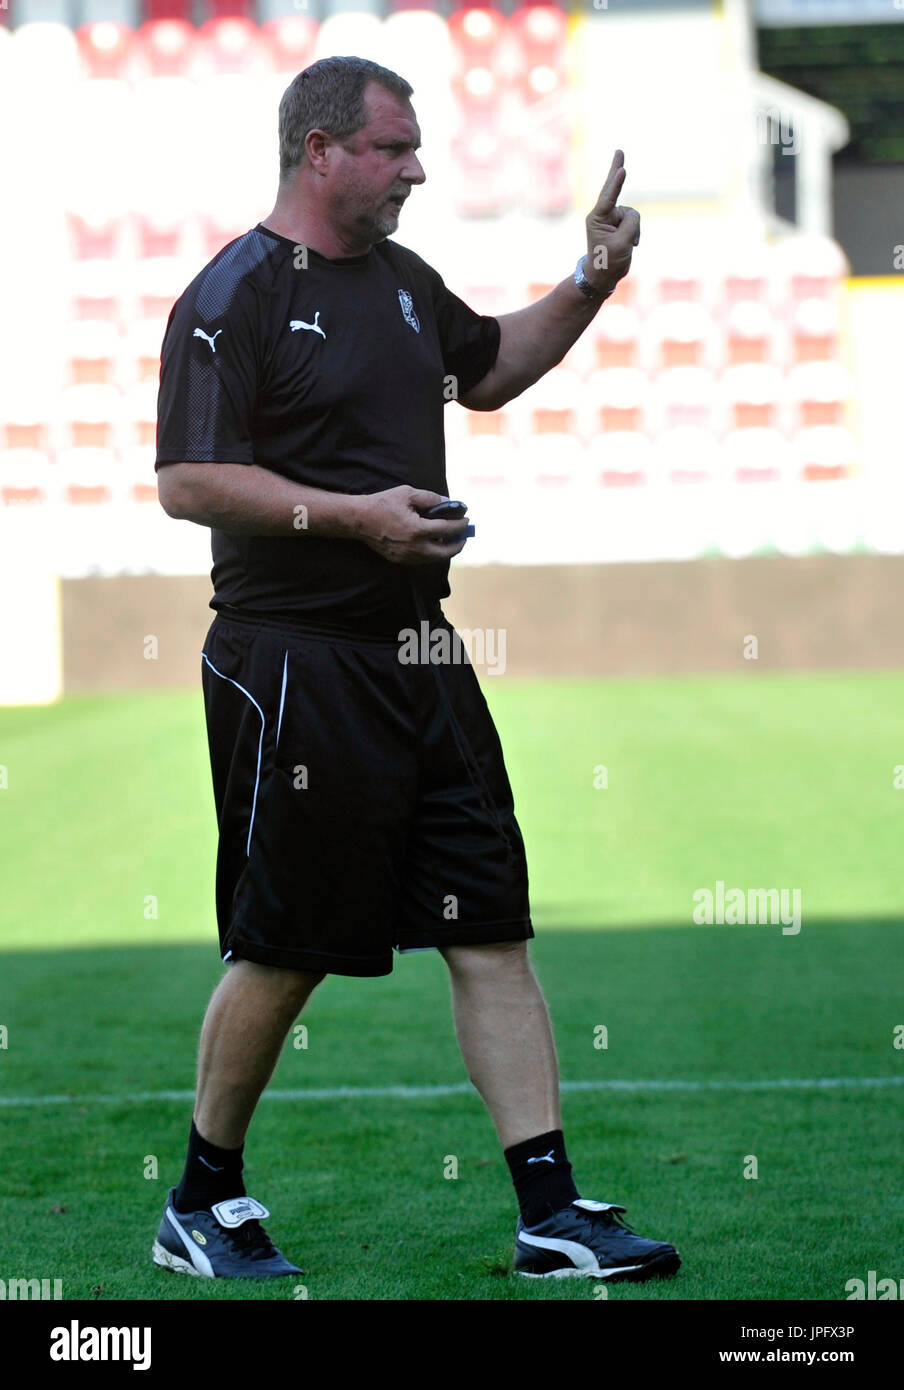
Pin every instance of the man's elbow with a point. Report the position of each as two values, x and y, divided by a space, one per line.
487 394
173 493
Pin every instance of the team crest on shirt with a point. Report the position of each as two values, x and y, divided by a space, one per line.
407 304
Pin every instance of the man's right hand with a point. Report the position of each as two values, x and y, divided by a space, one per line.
392 524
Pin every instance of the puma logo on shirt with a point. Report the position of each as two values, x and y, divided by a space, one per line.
199 333
314 327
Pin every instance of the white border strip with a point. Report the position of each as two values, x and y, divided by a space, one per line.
282 695
260 742
794 1083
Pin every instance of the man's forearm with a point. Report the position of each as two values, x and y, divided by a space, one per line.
532 341
246 500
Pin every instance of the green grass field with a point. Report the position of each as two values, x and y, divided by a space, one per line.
760 781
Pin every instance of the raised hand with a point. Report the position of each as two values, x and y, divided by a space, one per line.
612 231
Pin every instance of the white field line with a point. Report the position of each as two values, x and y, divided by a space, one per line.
792 1083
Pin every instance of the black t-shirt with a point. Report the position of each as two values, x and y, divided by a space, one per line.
334 375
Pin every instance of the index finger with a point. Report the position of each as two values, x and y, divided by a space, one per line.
612 187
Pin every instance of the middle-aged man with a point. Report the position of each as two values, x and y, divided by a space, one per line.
362 800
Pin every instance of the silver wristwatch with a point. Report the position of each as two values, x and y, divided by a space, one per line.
584 285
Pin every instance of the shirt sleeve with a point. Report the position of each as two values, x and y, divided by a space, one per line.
209 374
469 341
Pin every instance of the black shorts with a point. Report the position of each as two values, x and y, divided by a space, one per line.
363 804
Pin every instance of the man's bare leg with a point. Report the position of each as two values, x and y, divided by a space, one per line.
247 1020
503 1029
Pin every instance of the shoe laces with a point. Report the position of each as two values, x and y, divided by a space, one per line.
251 1239
609 1218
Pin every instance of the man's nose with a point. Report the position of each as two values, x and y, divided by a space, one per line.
414 171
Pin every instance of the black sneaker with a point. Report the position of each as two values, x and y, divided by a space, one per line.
226 1242
589 1239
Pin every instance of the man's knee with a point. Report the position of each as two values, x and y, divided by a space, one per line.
286 988
487 958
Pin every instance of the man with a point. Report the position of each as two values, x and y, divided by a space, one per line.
304 375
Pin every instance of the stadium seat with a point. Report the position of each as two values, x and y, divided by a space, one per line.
158 235
553 403
25 477
230 44
481 184
140 414
824 453
291 39
818 393
157 284
615 399
751 334
93 352
481 59
22 430
815 331
687 455
756 455
616 336
164 47
96 289
138 479
679 335
87 476
103 49
485 461
621 459
533 65
140 350
98 238
753 395
90 417
684 397
812 266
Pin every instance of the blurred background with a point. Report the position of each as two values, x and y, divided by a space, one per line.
736 401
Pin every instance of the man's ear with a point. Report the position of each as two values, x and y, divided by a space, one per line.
318 145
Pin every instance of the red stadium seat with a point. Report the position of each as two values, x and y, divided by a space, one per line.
684 398
756 455
752 334
687 455
617 398
90 416
291 40
818 392
753 396
539 51
480 186
825 453
480 56
166 47
621 460
616 336
231 44
104 49
815 331
93 352
680 335
94 240
25 477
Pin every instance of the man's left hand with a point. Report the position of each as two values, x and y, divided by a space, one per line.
612 232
